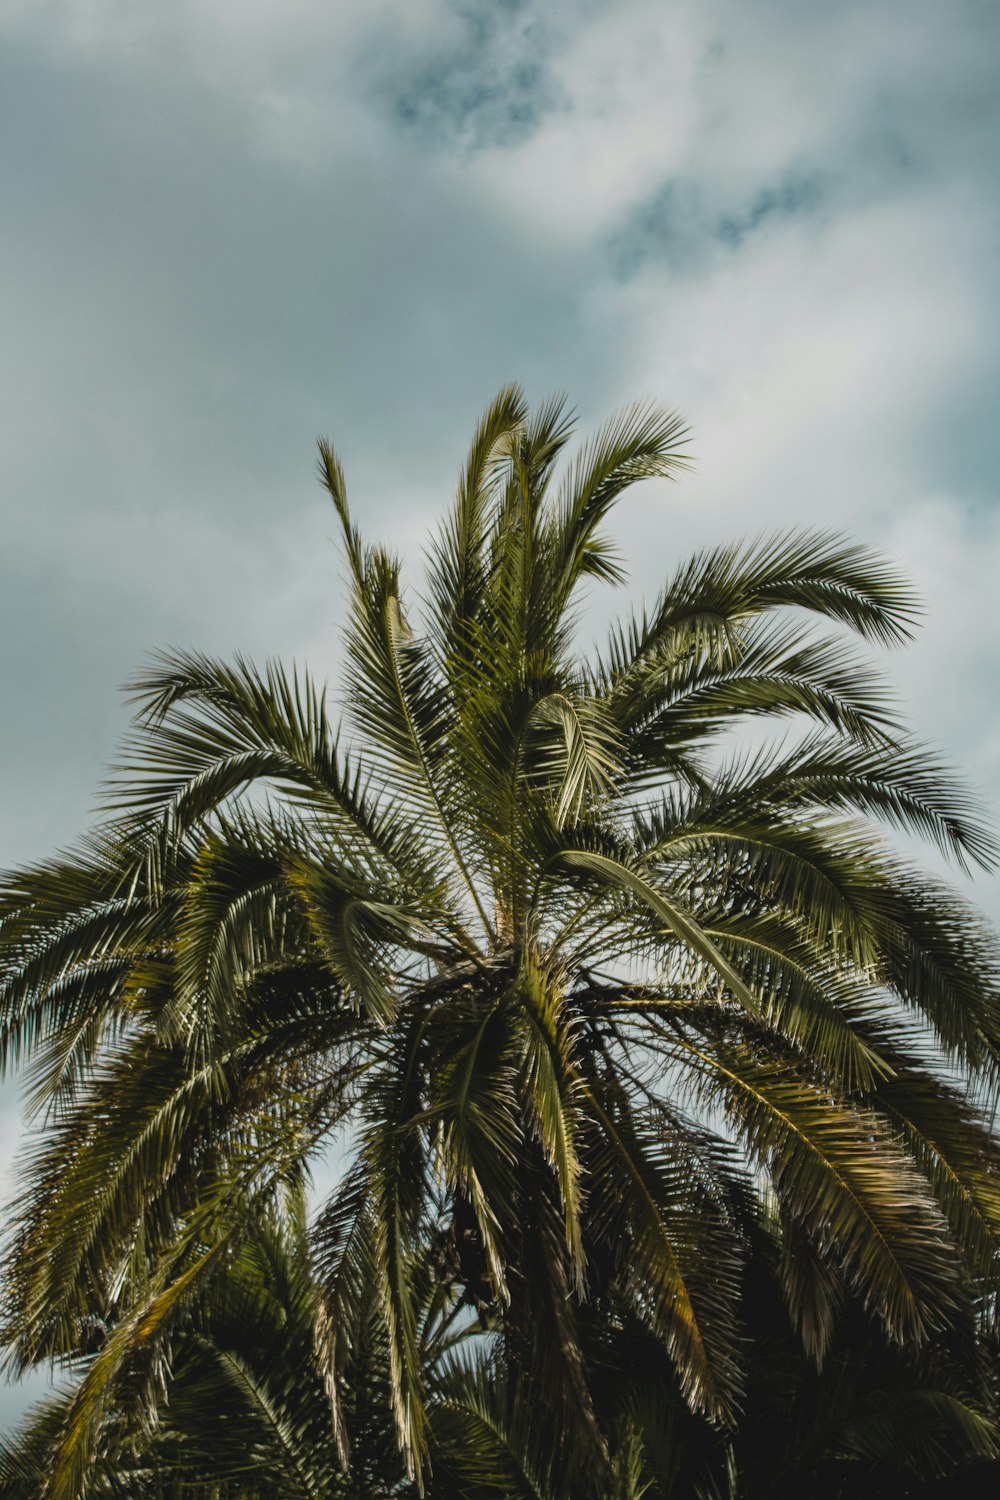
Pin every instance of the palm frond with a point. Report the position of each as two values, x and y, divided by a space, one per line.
838 1171
641 442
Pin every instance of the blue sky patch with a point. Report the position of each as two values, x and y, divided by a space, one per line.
493 88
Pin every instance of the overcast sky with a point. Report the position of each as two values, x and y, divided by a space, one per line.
228 226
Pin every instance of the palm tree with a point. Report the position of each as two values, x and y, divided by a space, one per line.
244 1413
586 990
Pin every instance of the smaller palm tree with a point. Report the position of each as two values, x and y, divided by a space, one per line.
245 1413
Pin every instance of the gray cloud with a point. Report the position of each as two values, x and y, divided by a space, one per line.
490 85
794 195
681 227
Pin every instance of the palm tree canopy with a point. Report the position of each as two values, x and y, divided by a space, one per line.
586 989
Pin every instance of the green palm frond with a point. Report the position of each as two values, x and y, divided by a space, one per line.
459 560
487 1441
571 746
643 1209
927 1432
641 442
839 1171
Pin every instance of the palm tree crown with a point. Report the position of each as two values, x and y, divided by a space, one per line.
601 1005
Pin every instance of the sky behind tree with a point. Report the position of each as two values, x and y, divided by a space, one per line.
228 228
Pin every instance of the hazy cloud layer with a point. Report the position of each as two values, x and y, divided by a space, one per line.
229 227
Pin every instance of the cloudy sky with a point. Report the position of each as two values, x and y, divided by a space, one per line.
228 226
